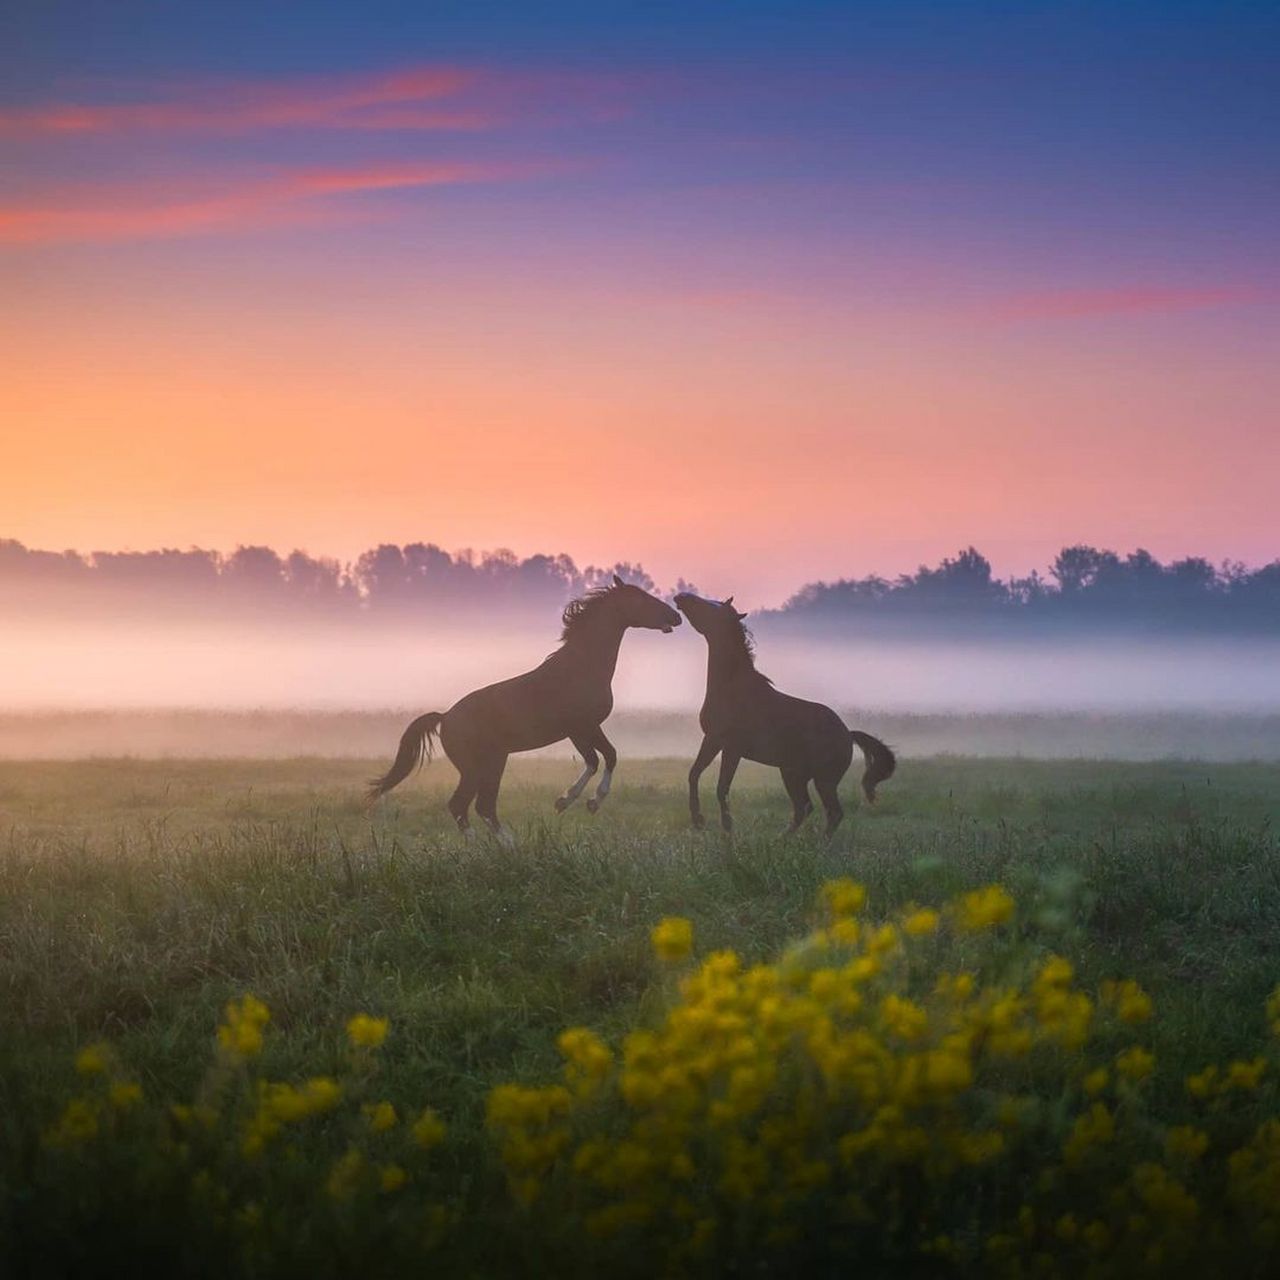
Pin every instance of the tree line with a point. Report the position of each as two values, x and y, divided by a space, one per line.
1084 586
386 579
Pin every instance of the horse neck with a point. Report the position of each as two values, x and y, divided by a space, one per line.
727 661
594 645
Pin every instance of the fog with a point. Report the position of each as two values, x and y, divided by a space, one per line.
329 667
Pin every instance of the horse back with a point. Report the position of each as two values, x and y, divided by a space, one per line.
527 711
774 728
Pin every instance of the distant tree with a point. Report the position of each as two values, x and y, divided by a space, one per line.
21 563
964 581
317 581
254 571
1077 568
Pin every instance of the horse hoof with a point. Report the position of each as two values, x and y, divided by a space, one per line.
698 822
562 803
593 805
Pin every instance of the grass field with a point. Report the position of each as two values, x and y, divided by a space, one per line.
137 898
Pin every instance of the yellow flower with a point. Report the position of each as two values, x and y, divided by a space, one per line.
78 1123
1203 1083
366 1032
1185 1143
586 1055
1055 972
391 1177
844 932
1244 1075
1135 1064
382 1116
920 923
1095 1082
428 1130
240 1034
124 1094
955 986
344 1176
903 1018
672 939
92 1059
1095 1128
984 908
1130 1002
843 897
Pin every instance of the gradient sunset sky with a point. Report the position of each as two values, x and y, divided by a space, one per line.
753 293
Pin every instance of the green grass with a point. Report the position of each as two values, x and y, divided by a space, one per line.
137 897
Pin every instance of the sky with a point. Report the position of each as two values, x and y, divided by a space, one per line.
752 293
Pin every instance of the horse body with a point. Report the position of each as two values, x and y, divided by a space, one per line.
569 695
744 717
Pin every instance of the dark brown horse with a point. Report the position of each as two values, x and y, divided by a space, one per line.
745 718
569 696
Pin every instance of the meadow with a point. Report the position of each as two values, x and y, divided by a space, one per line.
139 897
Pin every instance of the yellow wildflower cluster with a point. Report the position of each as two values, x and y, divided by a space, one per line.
1128 1000
240 1034
672 939
919 1094
365 1032
246 1146
111 1093
984 908
851 1084
282 1104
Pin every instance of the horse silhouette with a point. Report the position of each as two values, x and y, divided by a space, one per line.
744 717
569 696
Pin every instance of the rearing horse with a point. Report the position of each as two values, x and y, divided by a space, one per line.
569 696
745 717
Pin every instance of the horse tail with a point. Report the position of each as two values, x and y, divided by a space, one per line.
881 762
415 747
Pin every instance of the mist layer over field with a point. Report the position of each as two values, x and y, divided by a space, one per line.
238 690
326 666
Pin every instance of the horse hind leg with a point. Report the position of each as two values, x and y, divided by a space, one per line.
590 763
828 785
490 779
606 778
796 782
460 801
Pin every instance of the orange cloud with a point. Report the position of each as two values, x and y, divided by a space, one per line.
396 99
1133 300
131 212
418 97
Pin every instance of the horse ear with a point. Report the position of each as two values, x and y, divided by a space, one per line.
617 581
740 615
728 602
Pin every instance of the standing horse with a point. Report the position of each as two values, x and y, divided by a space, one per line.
569 696
744 717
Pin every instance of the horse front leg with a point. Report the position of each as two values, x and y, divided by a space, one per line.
729 761
605 747
706 754
590 763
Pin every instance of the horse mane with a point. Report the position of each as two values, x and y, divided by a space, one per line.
743 644
580 611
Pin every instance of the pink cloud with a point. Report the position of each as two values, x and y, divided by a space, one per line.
124 212
430 97
1131 300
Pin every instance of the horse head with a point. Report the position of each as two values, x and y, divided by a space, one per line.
710 617
637 608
